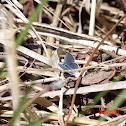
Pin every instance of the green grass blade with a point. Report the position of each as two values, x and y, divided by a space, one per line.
20 107
39 121
28 26
118 101
120 76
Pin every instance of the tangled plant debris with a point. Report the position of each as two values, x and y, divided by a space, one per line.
52 48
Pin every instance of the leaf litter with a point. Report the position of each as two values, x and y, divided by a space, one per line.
40 68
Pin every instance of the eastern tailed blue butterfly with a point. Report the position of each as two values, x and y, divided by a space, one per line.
69 63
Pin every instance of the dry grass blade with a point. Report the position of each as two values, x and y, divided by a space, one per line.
27 51
24 19
81 90
92 18
54 117
55 21
11 61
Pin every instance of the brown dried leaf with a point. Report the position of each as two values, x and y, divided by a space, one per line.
28 8
123 36
97 76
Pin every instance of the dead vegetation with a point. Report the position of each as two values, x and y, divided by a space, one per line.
51 59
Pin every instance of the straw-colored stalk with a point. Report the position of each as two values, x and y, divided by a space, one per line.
92 18
8 33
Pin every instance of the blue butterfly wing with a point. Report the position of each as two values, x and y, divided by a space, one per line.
73 66
65 67
68 59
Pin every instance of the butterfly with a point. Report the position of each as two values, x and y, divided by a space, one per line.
69 63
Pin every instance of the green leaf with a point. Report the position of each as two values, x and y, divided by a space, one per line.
3 75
